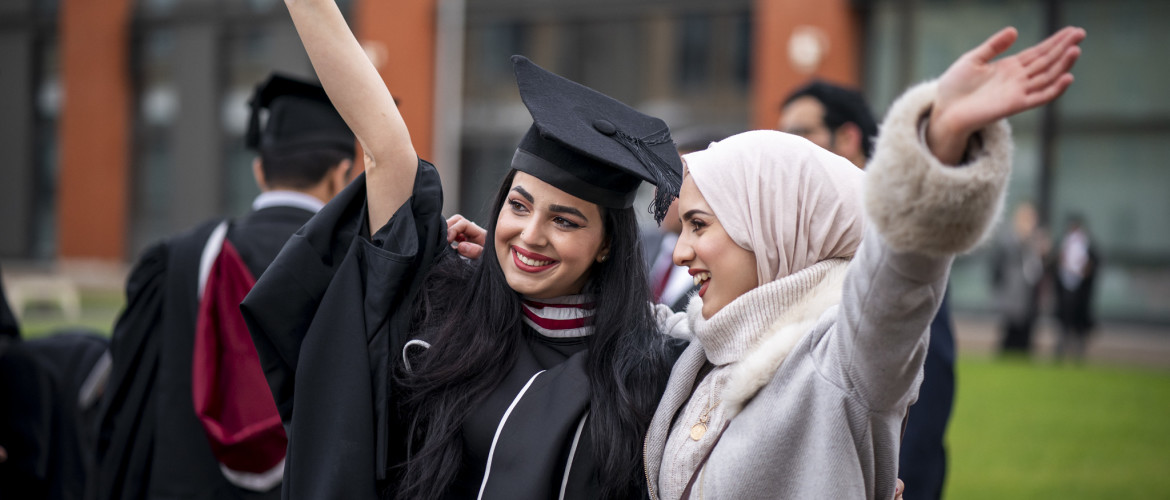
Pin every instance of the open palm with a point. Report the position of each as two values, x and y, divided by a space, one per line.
976 91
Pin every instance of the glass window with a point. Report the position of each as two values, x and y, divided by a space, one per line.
694 49
158 107
1111 139
47 150
1117 77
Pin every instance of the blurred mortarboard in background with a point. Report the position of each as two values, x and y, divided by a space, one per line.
592 146
300 119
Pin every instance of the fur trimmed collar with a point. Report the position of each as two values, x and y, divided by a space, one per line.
760 364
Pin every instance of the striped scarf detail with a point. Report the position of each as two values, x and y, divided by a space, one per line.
561 317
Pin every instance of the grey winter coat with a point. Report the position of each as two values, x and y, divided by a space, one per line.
815 409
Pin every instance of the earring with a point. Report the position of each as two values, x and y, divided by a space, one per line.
603 258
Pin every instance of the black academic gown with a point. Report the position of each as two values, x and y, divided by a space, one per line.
150 441
330 319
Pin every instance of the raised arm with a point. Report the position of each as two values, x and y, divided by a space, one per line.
358 93
924 208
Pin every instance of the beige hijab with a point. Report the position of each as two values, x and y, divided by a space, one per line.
782 197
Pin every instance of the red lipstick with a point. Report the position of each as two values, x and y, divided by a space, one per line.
517 252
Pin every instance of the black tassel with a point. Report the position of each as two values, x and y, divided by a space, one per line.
667 180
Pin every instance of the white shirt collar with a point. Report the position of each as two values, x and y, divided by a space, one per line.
281 198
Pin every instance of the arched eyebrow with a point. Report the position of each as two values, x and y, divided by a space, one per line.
694 212
560 209
524 193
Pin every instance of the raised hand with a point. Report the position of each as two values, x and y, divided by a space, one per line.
976 91
359 94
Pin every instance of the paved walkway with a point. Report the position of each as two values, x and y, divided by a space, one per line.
1112 343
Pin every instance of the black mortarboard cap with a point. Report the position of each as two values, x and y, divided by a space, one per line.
300 119
592 146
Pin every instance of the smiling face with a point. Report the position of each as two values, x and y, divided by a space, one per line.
725 269
547 240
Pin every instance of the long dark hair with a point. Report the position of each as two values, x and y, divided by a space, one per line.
474 322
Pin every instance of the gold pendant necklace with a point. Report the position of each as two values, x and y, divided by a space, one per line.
700 428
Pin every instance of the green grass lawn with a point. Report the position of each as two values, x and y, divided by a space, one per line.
1035 430
99 309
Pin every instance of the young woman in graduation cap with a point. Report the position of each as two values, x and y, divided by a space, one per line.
819 282
402 370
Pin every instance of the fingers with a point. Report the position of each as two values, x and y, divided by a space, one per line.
452 227
1049 93
1053 50
899 489
995 45
469 250
459 229
1039 56
1054 71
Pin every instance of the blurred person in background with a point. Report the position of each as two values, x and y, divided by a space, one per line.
188 413
837 118
49 388
833 117
1076 266
1018 265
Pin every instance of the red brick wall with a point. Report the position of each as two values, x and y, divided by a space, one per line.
775 75
94 130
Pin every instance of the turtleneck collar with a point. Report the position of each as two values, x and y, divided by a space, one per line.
731 332
561 317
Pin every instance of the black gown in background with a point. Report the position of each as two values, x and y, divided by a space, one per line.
150 442
331 317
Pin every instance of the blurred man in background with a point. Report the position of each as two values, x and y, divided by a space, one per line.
1076 271
1017 273
833 117
838 119
188 413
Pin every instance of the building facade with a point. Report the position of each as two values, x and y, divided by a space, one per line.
123 120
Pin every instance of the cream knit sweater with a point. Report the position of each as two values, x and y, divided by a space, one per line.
791 304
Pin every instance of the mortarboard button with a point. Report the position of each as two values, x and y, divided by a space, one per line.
604 126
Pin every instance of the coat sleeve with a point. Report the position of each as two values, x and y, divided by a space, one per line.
326 317
920 213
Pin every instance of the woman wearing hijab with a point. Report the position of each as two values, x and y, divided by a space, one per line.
818 283
403 371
